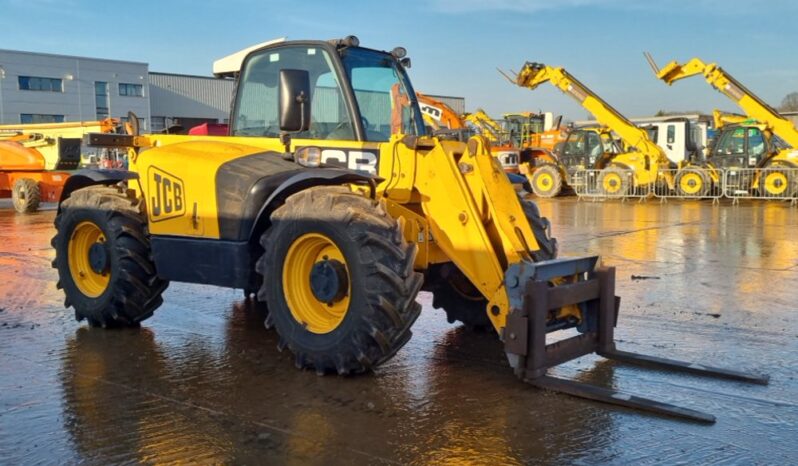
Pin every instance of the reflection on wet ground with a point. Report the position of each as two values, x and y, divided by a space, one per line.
202 381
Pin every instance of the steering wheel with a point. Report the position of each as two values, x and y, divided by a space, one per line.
339 127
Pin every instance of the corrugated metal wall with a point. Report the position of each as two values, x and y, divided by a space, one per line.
190 96
456 103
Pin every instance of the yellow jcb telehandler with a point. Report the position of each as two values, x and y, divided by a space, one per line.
330 204
745 145
621 171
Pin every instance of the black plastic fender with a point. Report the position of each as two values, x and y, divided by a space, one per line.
91 176
255 224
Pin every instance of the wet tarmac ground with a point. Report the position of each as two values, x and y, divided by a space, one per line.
203 382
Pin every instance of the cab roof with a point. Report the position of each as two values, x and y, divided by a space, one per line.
230 65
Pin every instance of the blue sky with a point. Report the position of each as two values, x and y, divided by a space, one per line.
455 45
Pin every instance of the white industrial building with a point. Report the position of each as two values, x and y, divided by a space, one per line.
42 88
45 88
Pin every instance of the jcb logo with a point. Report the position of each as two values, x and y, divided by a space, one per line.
167 196
358 160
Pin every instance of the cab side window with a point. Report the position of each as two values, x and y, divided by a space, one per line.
594 147
575 144
257 111
732 142
756 143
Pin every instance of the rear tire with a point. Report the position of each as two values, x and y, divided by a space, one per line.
692 182
26 195
461 300
103 257
613 182
373 260
546 181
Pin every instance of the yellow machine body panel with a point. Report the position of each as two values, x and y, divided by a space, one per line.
177 175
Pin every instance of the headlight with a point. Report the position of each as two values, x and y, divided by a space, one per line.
308 157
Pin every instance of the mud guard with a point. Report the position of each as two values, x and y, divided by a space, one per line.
303 180
91 176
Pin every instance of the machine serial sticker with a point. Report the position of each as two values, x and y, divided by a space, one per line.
166 195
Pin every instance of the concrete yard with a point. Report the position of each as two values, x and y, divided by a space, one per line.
202 381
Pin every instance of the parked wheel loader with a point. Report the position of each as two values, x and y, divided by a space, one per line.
620 173
539 138
36 159
331 204
745 145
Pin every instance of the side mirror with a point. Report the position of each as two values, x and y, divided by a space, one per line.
294 100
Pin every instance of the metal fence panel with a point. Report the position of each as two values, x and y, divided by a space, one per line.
607 184
689 183
771 183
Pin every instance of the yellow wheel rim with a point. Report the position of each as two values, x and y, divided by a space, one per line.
691 183
612 183
88 281
775 183
544 181
303 255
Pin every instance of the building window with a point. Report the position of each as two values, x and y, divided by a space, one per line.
101 99
40 118
131 90
35 83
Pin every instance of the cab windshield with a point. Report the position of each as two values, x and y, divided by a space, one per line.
383 93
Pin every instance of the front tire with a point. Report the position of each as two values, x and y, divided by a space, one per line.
26 195
338 280
546 181
614 182
692 182
103 257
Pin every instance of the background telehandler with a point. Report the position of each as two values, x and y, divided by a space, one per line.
746 145
643 160
337 225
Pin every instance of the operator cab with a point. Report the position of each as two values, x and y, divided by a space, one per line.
333 90
738 146
587 148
